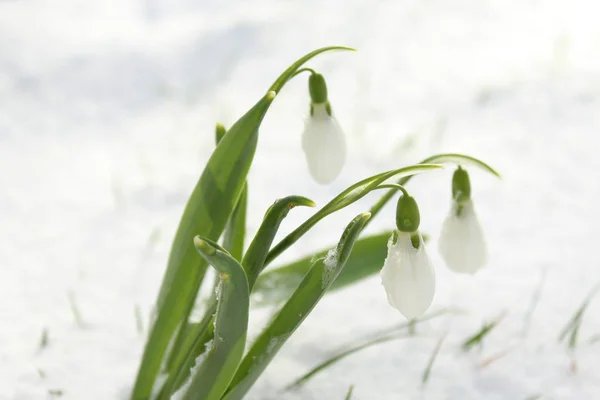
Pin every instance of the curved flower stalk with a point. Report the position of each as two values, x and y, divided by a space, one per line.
407 274
462 243
323 140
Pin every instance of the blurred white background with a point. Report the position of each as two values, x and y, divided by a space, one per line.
107 113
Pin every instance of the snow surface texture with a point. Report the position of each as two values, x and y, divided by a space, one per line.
107 113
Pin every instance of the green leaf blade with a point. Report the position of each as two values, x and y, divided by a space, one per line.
213 375
347 197
309 292
194 343
366 259
205 214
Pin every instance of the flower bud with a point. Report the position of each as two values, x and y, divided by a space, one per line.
408 217
317 89
461 186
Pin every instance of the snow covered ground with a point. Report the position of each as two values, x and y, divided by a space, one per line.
107 112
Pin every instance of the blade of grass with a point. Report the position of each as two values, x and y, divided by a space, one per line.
349 394
212 376
389 334
446 158
350 195
478 337
235 232
195 340
432 358
572 326
77 317
304 378
44 339
292 314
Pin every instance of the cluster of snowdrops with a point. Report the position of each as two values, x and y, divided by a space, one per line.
210 358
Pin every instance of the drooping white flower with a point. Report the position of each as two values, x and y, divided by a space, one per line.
324 144
462 244
407 275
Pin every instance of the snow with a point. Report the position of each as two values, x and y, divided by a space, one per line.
107 113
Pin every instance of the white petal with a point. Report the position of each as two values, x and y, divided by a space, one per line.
408 277
324 144
462 244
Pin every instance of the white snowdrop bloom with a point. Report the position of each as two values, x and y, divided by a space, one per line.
462 244
324 144
407 276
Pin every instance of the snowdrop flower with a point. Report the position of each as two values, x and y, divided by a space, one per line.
407 274
323 140
462 244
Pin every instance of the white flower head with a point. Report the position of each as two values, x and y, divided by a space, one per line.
407 274
462 244
324 144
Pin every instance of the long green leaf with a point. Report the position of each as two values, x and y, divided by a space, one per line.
309 292
446 158
212 374
206 213
276 285
200 334
233 242
347 197
235 232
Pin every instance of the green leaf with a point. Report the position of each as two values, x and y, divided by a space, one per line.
290 72
235 231
447 158
199 334
347 197
254 260
478 337
206 213
436 350
349 393
309 292
368 255
213 373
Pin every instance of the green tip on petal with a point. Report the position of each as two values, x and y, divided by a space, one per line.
203 247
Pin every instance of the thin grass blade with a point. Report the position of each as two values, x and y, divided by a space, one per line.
347 197
210 378
395 333
195 340
309 292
